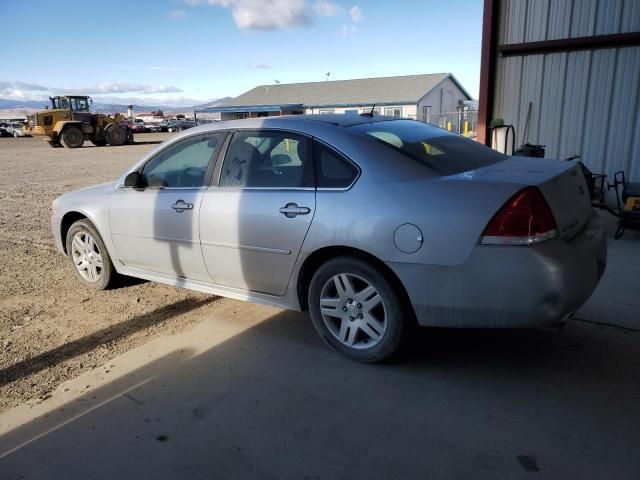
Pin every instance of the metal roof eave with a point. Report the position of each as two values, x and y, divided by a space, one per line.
251 108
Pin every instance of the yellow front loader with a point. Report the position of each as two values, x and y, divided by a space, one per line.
69 122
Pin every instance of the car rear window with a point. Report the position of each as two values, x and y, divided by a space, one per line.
443 152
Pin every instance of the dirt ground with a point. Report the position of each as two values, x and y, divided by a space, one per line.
51 327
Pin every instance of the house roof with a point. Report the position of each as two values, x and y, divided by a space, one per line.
364 91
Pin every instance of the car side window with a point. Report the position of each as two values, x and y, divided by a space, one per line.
267 159
183 164
333 170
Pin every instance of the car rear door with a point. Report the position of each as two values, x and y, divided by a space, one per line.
254 221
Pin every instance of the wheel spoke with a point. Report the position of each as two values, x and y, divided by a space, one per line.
343 336
97 260
91 245
347 286
372 302
92 271
331 307
78 244
366 328
372 326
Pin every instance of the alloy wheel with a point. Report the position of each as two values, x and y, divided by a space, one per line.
86 256
353 310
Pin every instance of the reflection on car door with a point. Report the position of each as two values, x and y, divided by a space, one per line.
253 224
156 228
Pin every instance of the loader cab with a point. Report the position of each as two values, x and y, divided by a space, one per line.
80 107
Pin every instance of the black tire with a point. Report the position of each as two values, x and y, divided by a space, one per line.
72 137
106 274
116 136
395 317
99 143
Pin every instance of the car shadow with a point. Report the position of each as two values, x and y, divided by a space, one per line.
275 402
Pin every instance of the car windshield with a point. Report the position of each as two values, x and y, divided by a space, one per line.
443 152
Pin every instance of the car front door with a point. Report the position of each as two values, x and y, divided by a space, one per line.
253 222
155 228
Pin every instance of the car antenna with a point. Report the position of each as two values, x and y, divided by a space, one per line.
370 113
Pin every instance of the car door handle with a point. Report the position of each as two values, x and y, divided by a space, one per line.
290 210
180 206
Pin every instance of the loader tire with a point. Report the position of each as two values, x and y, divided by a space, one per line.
72 137
116 136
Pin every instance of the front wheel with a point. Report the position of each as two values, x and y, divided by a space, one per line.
91 262
356 310
72 137
116 136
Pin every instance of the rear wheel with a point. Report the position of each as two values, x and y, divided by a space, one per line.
72 137
116 136
89 257
355 310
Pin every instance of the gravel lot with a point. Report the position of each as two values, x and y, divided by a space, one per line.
51 327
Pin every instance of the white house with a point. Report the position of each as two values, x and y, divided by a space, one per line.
437 98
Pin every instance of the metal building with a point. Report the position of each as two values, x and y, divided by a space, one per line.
575 64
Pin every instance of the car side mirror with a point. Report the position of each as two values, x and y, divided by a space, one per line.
135 179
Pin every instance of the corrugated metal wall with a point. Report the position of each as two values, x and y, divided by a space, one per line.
585 102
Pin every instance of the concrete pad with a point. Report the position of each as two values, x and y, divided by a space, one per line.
255 394
616 300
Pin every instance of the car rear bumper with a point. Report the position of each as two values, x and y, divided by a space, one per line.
509 286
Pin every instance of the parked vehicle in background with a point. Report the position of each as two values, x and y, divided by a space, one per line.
180 125
139 126
153 127
371 223
16 130
3 130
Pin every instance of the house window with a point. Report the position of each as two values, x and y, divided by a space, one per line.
242 115
367 110
325 111
393 112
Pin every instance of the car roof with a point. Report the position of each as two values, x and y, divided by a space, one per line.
307 120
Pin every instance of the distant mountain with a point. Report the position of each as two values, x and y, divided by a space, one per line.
16 104
215 103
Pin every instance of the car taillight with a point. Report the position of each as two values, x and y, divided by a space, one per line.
524 220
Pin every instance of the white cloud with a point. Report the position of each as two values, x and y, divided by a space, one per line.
325 8
262 14
163 100
260 66
177 14
22 91
119 88
356 13
31 91
4 85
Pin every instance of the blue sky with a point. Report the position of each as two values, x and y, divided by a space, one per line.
188 51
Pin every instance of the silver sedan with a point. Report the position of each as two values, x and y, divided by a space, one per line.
373 224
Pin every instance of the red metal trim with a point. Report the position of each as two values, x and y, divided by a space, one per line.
487 68
570 44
